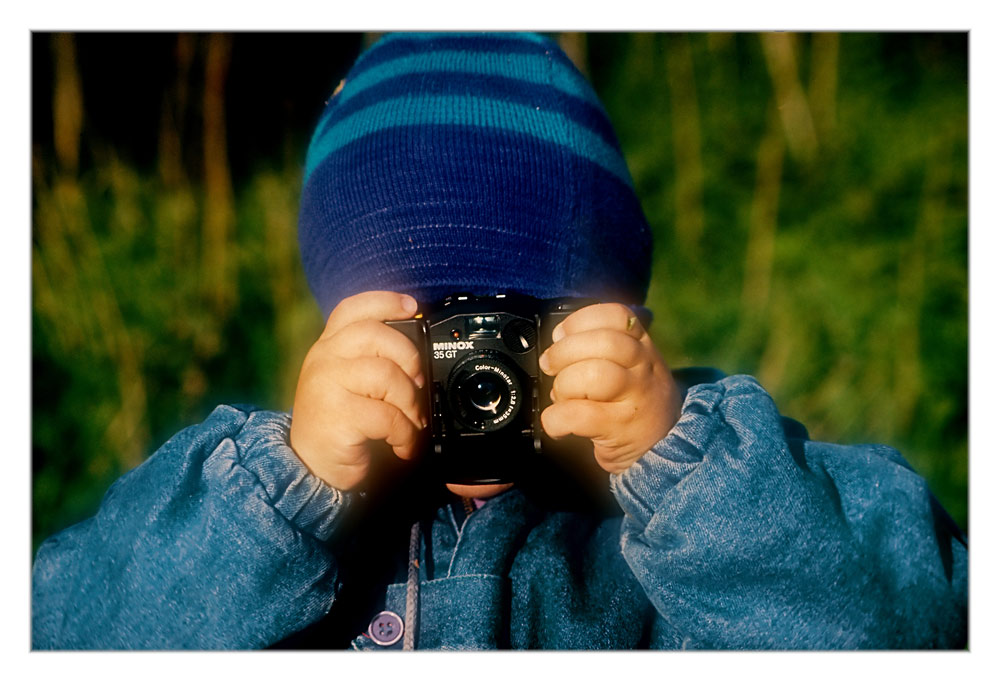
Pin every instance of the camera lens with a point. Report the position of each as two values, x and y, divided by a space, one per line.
484 392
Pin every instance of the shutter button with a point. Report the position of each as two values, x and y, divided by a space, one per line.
386 628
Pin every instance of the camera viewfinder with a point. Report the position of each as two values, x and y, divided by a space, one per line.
482 327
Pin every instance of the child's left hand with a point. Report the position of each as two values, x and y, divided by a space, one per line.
611 385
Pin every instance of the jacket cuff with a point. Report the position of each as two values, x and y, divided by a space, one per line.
302 498
640 489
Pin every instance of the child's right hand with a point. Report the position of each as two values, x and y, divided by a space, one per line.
360 382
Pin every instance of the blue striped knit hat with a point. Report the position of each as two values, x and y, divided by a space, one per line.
469 162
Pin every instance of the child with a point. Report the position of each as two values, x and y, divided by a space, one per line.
485 164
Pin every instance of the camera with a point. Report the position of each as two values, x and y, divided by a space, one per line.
484 388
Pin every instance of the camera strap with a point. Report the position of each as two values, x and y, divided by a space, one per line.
412 590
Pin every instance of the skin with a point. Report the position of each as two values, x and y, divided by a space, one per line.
360 383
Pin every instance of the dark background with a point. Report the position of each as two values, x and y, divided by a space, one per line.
808 195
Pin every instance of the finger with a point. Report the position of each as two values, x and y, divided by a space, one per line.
597 379
370 305
583 418
607 344
598 316
371 338
383 380
381 421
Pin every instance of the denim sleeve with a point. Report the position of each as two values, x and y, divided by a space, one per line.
216 541
745 536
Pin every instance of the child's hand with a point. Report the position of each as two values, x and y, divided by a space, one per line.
611 385
359 383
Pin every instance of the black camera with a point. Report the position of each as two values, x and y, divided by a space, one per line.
485 390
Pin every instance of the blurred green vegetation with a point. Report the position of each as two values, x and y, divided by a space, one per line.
808 195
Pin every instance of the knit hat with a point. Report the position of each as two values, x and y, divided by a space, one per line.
480 163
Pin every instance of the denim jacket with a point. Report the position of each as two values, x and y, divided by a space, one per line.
734 532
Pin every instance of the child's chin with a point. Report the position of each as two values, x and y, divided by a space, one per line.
479 491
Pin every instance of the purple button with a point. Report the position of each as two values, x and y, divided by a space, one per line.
386 628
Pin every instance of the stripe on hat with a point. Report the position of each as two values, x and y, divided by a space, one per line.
530 68
394 45
475 85
468 111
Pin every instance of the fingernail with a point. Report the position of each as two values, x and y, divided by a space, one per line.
419 380
558 333
409 304
543 362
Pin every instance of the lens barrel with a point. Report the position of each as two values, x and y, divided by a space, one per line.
485 392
